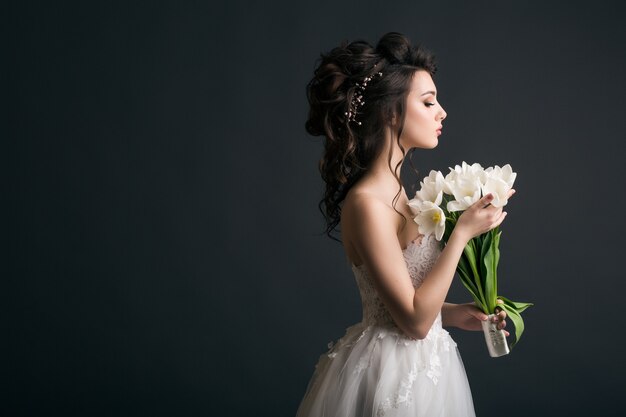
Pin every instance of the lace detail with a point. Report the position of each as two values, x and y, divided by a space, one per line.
403 396
375 351
419 257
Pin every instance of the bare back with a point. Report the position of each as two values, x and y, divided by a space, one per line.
363 194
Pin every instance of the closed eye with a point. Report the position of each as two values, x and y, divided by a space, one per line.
428 104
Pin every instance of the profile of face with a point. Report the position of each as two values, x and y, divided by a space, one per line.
424 114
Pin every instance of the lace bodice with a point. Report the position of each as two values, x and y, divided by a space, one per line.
375 369
420 256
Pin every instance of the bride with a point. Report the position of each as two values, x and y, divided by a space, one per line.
373 104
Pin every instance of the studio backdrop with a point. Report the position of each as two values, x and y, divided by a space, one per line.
164 252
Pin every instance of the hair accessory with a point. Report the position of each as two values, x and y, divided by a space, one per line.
357 98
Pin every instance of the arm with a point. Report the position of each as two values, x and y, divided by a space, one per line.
464 316
448 316
373 226
468 317
430 296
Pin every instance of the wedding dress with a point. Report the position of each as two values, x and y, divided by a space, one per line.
375 370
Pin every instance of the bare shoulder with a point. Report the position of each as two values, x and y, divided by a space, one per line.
363 207
367 221
370 235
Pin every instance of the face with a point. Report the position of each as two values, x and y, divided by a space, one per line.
424 114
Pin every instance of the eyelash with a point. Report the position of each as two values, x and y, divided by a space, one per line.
429 104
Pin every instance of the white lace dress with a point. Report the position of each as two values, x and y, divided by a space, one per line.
376 370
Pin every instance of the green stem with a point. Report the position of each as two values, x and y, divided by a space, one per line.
471 258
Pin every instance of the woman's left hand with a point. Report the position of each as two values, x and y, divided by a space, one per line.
470 317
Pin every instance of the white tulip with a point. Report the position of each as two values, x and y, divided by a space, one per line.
431 218
414 205
466 191
465 184
462 171
499 182
505 173
430 189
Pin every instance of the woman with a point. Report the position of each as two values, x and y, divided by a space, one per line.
373 105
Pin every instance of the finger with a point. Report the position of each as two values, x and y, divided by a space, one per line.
494 215
507 333
486 200
500 220
477 313
500 315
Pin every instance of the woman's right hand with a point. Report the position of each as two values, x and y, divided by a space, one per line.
480 217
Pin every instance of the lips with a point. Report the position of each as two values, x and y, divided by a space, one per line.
439 130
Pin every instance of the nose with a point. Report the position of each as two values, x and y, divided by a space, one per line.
443 114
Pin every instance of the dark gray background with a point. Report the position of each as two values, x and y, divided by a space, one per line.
163 245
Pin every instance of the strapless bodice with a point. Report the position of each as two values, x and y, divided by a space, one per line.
420 256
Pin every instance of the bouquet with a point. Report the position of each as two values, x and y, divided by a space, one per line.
438 205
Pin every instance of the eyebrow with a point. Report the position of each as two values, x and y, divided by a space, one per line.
434 93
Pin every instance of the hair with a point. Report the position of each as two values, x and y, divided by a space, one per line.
350 148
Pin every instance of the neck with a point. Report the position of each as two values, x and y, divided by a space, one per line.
380 173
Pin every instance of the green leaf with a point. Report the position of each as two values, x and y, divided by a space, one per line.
479 240
513 310
486 244
450 225
517 320
517 305
470 256
468 283
464 268
497 246
491 265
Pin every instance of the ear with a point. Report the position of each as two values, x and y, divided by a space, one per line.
393 119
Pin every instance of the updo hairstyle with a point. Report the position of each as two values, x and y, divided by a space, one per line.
350 148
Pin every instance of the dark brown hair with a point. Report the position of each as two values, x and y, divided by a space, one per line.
350 148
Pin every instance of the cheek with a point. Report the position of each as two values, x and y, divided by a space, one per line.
417 114
413 131
416 121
